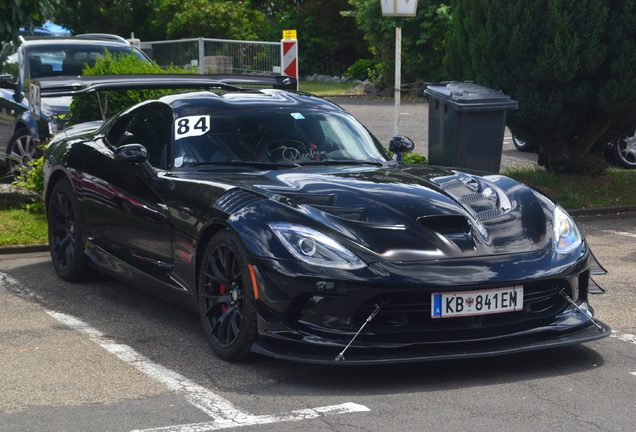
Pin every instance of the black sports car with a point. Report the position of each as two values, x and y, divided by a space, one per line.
287 226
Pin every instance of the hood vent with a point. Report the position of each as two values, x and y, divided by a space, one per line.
352 214
311 199
237 170
446 224
235 199
482 198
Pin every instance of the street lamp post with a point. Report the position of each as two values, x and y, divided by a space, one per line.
398 9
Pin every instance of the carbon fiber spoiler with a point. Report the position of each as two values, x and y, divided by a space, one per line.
93 83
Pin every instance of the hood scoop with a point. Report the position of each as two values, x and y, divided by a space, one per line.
446 224
325 203
480 197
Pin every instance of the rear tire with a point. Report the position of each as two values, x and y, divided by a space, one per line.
20 151
66 240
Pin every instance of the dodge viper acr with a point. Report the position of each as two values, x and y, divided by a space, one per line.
288 227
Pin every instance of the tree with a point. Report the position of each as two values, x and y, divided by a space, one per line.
423 44
25 13
329 42
177 19
569 63
119 17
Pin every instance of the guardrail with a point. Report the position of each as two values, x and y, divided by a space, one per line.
217 56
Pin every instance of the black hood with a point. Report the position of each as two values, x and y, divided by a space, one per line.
410 212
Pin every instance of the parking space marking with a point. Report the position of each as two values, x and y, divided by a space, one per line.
620 233
224 414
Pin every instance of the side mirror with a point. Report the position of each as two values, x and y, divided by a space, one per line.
6 82
133 153
399 145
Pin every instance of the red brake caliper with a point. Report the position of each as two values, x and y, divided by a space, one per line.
223 291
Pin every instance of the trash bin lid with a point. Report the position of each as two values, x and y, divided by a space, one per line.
468 96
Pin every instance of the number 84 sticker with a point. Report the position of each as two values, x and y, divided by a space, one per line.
191 126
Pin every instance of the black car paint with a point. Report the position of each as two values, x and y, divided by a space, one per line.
150 226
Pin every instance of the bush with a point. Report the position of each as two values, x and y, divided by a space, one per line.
411 158
86 108
32 178
423 40
361 69
570 65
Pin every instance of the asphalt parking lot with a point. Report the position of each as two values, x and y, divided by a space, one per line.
103 356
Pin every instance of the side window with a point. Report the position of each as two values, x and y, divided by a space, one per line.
115 133
148 127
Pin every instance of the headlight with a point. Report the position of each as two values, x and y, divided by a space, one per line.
315 248
566 234
56 126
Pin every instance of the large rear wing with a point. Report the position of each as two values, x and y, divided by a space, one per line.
50 87
92 83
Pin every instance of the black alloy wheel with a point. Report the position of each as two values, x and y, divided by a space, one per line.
20 151
66 242
624 150
225 293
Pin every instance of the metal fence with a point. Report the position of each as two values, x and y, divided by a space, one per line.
217 56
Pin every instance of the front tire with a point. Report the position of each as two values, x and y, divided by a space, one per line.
66 241
225 293
522 145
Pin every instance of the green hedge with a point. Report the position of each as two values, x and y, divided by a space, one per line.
85 108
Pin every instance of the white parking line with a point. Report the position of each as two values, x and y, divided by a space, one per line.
222 411
619 233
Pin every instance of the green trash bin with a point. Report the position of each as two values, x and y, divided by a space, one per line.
466 124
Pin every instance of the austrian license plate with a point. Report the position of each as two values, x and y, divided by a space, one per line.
465 303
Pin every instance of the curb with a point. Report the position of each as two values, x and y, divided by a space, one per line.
597 211
20 249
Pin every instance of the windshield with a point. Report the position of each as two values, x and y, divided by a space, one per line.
276 136
60 60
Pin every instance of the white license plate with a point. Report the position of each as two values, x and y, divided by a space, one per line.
465 303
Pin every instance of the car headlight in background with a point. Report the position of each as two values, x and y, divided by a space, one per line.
315 248
56 126
566 234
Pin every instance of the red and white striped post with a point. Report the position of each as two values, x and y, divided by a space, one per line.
289 55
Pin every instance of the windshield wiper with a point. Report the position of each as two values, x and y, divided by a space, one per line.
251 163
344 162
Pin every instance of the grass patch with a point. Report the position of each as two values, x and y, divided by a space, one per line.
326 88
614 187
22 227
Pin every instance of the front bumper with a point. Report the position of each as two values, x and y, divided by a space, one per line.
312 317
433 352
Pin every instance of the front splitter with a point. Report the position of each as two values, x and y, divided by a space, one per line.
590 333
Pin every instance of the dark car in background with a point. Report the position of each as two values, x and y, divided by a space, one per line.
620 152
287 226
55 63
